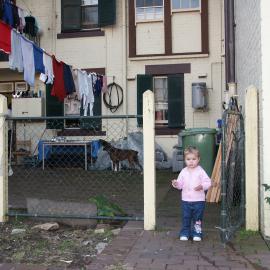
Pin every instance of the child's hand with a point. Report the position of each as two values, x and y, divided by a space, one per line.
198 188
174 183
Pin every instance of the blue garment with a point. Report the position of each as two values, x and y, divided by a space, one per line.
8 14
38 58
95 146
68 80
98 86
192 212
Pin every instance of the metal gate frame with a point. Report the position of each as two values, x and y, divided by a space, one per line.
233 172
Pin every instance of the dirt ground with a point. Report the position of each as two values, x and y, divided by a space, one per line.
65 247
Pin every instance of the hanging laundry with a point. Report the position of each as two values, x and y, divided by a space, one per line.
104 84
90 99
30 26
1 9
75 79
15 57
5 38
86 91
38 58
21 14
28 61
58 89
48 76
68 80
8 13
98 85
16 18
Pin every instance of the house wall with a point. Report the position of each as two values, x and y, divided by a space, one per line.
150 38
186 32
110 52
250 63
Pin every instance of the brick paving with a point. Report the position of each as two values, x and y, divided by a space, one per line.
135 249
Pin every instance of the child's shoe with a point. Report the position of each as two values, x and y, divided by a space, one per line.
197 239
183 238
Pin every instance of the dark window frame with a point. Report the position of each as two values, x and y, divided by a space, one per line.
72 28
168 31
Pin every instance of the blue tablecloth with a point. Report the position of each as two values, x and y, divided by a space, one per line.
64 149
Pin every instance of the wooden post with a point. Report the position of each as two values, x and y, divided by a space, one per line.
149 161
3 160
251 159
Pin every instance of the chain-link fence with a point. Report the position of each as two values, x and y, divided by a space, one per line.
233 177
68 167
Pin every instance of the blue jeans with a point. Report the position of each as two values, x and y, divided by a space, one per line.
192 215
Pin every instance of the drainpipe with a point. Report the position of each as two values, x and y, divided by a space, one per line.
124 58
230 47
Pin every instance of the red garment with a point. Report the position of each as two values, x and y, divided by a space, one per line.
5 37
58 89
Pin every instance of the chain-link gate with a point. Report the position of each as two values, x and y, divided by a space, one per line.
233 173
60 166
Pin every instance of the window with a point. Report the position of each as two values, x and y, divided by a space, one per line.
87 14
149 10
186 5
169 99
161 100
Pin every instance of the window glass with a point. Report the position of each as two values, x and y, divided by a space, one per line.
176 4
149 10
161 100
185 4
89 2
89 13
195 3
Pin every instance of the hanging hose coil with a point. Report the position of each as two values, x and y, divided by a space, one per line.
113 87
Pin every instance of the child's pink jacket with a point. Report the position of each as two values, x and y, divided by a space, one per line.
188 179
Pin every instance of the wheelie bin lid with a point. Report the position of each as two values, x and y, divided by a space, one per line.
196 131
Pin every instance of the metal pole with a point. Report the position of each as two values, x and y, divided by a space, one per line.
243 178
223 216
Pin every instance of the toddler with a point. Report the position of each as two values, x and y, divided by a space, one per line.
193 181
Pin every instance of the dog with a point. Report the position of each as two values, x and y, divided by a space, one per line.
117 155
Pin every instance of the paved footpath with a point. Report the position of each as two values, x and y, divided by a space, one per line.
135 249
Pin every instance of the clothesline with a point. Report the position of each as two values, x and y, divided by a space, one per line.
16 20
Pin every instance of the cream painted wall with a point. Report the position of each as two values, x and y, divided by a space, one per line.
186 32
109 52
150 38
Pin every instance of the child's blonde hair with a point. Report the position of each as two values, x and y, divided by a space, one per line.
192 150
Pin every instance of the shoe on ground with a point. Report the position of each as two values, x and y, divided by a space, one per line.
183 238
197 239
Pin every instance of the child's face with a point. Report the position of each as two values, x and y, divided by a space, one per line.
192 160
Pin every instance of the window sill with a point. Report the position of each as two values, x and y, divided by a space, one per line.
149 21
80 132
167 131
89 33
186 10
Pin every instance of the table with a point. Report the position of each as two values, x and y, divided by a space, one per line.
66 143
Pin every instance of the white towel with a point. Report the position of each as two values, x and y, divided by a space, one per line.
15 57
28 61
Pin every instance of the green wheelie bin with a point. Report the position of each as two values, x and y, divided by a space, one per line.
204 139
